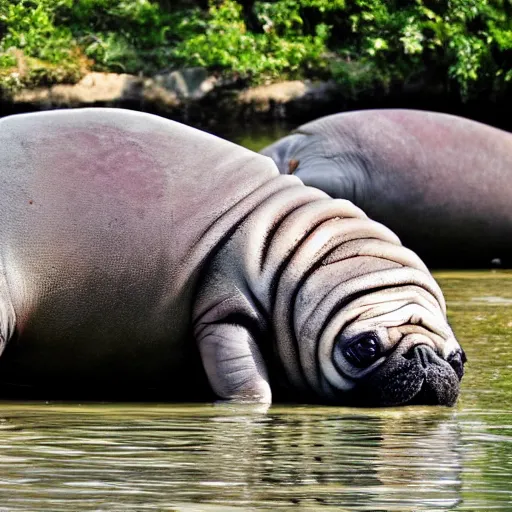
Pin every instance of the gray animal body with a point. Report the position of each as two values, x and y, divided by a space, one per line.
442 183
139 256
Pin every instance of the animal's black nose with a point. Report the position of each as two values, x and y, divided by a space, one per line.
424 354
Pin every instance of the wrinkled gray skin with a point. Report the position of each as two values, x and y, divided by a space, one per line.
133 249
442 183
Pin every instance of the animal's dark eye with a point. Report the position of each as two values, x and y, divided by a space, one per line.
456 361
363 351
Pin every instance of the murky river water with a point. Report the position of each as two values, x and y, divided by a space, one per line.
103 457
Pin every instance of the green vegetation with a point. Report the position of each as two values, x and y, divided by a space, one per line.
463 45
280 47
49 41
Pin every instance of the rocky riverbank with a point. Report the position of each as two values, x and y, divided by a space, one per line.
206 100
190 94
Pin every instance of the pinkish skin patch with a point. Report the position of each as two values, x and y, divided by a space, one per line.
112 161
431 131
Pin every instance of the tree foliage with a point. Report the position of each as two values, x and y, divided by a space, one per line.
463 45
280 48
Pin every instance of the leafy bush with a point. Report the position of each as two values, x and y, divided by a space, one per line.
463 45
132 36
281 49
31 28
33 50
68 37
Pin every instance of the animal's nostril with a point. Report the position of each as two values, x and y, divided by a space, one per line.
423 353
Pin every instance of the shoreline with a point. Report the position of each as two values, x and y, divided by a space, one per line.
209 101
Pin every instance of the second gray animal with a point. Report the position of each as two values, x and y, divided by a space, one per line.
441 182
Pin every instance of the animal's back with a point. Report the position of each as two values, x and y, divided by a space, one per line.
441 182
103 220
450 174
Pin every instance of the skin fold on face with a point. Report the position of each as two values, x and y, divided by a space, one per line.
370 328
389 348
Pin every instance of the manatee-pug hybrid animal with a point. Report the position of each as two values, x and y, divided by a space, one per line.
132 248
442 183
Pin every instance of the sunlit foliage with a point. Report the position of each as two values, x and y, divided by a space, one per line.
463 45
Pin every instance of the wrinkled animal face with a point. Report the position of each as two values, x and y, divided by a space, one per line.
392 347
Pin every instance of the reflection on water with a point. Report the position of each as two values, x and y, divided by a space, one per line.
209 457
152 458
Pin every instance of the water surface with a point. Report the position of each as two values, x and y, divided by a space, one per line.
103 457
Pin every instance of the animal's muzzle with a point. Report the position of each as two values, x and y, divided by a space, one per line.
424 355
436 387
